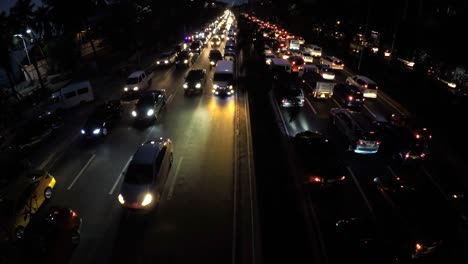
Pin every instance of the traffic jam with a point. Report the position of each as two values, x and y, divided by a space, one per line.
366 166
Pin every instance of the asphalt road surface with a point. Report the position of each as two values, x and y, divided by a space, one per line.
194 220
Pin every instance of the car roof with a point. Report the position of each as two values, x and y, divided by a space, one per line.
366 79
136 74
146 153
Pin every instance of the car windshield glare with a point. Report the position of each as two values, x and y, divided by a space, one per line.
132 80
139 174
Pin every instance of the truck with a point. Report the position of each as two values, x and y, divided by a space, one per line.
321 88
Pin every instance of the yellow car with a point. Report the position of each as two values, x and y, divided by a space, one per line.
20 199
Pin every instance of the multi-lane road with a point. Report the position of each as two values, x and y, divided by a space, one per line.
206 214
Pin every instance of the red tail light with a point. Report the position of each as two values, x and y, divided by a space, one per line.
343 178
365 85
407 155
350 98
293 63
361 142
418 136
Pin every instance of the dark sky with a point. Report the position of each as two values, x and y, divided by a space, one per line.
6 4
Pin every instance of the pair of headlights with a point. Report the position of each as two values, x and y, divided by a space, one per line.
96 131
150 112
198 85
146 201
136 88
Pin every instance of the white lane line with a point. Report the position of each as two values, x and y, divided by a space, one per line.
280 114
372 113
251 180
120 176
392 171
171 188
170 98
81 171
434 182
369 206
311 107
334 100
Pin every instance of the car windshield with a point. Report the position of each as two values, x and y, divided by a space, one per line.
195 45
294 92
139 174
195 75
337 62
222 77
132 80
145 100
371 86
317 49
184 54
98 115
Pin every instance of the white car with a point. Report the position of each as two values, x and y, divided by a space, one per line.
308 59
368 86
326 72
332 62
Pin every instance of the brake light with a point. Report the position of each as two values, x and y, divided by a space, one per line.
371 132
430 136
343 178
378 142
365 85
407 155
418 136
316 179
350 98
293 63
360 142
422 155
73 214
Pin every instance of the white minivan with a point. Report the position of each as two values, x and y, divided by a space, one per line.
223 78
71 95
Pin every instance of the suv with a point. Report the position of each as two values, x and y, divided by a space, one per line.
150 105
146 174
368 86
349 95
195 81
185 58
196 46
332 62
357 130
214 57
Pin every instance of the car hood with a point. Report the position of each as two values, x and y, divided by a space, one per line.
93 124
134 193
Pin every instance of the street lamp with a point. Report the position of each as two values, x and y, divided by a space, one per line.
25 47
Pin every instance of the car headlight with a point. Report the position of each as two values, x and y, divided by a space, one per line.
215 86
125 89
230 86
83 132
135 88
212 62
185 85
198 85
134 113
148 199
158 62
96 131
185 61
121 199
166 61
150 112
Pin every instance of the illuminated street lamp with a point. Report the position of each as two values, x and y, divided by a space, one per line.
25 47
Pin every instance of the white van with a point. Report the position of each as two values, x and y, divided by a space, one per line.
223 78
71 95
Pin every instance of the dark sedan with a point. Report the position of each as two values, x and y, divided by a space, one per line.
321 162
214 57
53 237
184 59
195 81
149 105
102 119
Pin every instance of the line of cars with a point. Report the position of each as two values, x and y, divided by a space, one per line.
415 223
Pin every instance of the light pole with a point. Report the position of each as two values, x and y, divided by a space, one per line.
25 47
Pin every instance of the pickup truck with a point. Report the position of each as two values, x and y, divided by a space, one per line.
136 82
323 90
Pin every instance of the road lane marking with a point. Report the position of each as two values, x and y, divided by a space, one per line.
392 171
53 157
334 100
149 135
171 188
310 105
372 113
434 182
120 176
280 114
363 195
169 98
251 182
81 171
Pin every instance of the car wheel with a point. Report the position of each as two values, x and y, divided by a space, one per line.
75 239
104 131
48 193
19 232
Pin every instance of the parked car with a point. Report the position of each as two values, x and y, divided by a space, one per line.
20 198
102 119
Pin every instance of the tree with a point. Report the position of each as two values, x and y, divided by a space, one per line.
5 44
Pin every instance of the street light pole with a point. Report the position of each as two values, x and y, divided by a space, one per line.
25 47
365 34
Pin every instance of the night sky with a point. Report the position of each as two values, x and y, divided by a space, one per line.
6 4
